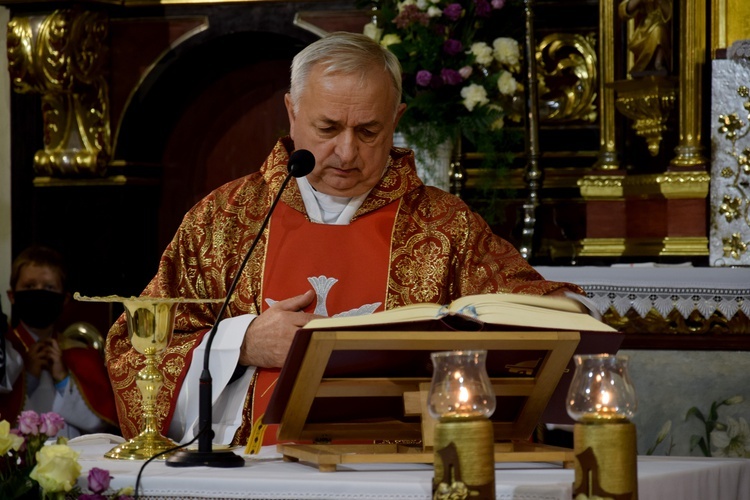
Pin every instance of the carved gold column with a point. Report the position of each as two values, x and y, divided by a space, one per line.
692 60
62 56
607 145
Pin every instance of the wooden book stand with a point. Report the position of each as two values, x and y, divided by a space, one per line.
361 396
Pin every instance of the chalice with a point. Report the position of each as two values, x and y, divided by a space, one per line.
150 322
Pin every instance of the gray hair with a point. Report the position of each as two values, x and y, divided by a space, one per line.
343 52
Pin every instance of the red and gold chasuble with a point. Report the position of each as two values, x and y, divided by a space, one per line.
347 266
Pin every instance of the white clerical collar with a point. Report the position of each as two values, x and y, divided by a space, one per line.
325 208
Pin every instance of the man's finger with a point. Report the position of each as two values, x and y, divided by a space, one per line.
297 302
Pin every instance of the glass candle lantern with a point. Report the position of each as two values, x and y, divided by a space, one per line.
602 400
601 389
460 385
462 400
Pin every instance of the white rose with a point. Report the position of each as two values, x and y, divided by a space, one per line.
482 53
506 84
371 30
433 11
474 95
422 4
506 51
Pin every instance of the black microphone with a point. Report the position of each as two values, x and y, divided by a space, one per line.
301 163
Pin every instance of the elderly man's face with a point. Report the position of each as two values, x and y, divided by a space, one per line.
348 124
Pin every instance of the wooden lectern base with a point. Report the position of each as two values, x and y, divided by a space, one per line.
327 456
525 368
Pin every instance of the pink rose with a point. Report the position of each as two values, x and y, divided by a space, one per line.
28 422
51 424
465 72
498 4
99 480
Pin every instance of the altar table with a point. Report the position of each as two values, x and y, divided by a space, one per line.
266 476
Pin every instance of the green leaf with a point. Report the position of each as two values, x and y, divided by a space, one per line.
695 412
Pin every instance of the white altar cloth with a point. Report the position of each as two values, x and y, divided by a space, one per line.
643 288
266 476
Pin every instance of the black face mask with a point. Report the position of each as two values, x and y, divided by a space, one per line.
37 308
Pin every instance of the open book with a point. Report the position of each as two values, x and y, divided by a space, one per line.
399 343
513 310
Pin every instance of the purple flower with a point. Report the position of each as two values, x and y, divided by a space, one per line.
452 47
99 480
450 76
91 496
453 11
482 8
51 424
498 4
28 422
424 78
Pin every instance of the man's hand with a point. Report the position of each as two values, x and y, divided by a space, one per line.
269 336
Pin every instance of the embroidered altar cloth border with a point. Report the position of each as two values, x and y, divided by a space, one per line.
664 289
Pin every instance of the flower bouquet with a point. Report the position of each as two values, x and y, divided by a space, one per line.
33 467
459 76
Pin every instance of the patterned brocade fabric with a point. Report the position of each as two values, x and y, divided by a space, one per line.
440 251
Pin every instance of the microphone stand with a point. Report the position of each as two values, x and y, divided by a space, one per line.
301 163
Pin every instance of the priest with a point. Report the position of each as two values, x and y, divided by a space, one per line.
361 233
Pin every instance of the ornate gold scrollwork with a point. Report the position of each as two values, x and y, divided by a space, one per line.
567 63
647 101
567 79
62 57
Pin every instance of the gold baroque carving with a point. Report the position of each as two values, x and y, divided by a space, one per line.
567 65
567 79
648 102
62 57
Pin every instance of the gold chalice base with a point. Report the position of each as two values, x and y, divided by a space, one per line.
142 447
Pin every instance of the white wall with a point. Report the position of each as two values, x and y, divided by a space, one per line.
5 248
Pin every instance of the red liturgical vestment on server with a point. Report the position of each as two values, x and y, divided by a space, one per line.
407 243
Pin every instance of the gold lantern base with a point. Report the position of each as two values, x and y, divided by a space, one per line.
605 460
464 459
142 447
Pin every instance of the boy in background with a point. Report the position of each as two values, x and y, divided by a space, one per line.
69 380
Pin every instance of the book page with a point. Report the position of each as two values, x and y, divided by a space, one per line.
412 312
552 302
530 311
